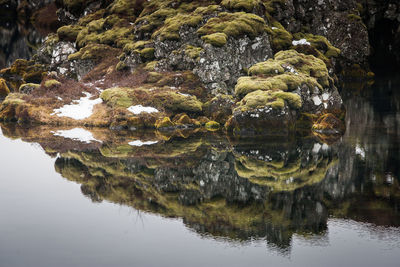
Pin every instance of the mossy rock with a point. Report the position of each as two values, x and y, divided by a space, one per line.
320 43
51 83
273 99
193 52
281 39
93 52
164 123
27 88
170 29
4 90
160 98
217 39
246 5
68 32
234 24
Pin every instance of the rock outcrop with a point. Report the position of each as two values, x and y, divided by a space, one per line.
261 67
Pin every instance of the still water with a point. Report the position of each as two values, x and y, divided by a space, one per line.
202 199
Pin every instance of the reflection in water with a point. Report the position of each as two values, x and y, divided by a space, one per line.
273 191
240 191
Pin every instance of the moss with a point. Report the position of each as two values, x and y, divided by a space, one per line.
147 53
69 32
4 90
139 45
183 119
164 123
110 37
124 7
320 43
160 98
28 87
151 66
92 51
246 5
281 38
51 83
154 77
269 67
354 17
246 85
117 96
234 24
216 39
193 52
148 23
212 125
83 21
170 30
274 99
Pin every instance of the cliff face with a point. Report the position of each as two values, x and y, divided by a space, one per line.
247 65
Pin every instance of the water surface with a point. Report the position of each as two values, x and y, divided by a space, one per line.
203 199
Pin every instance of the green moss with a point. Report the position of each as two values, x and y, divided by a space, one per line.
110 37
154 77
117 96
320 43
193 52
51 83
92 51
160 98
151 66
4 90
212 125
281 38
246 5
217 39
234 24
170 30
274 99
96 25
246 85
139 45
125 7
164 123
354 17
269 67
69 32
28 87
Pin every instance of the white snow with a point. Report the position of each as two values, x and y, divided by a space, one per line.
79 109
316 148
77 134
139 109
187 95
317 101
141 143
300 42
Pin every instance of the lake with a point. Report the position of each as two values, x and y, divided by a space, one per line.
95 197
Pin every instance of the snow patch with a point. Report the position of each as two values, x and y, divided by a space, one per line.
79 109
360 151
139 109
141 143
77 134
300 42
317 101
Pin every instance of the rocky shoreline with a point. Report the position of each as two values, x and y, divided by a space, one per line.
251 68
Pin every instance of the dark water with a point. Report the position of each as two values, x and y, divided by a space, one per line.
202 199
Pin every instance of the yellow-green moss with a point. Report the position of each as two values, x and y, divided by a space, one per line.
151 66
164 123
117 96
139 45
234 24
91 51
69 32
193 51
51 83
269 67
246 5
212 126
280 38
4 90
274 99
320 43
217 39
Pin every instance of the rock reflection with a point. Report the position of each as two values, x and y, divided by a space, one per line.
243 190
